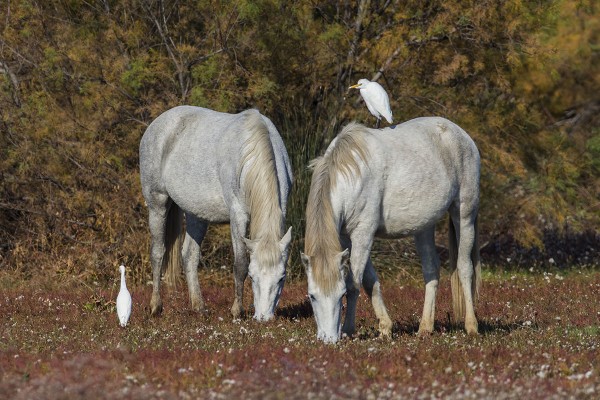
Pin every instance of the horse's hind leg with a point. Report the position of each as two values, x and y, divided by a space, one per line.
430 262
195 230
465 232
157 220
373 289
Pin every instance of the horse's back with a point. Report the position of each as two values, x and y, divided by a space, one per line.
194 128
416 170
190 154
193 155
184 131
456 154
427 146
431 134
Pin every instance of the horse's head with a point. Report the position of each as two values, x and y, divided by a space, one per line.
326 294
267 280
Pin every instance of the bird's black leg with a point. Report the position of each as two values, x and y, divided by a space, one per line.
377 124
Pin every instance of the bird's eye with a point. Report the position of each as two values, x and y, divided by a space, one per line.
312 298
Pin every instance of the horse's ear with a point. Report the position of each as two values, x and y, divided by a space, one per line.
305 260
286 239
250 244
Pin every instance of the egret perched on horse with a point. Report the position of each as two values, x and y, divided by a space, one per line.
376 99
217 168
390 183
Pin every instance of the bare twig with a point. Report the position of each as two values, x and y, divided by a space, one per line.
20 209
14 83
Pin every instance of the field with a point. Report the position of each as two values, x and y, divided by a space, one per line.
540 338
80 82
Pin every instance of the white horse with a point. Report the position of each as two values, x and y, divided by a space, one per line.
391 183
217 168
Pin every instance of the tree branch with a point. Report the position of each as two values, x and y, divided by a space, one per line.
358 30
14 82
386 64
169 44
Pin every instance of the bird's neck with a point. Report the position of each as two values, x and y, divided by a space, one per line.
123 285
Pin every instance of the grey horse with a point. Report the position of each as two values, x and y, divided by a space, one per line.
393 182
217 168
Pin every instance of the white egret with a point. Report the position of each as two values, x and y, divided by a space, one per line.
376 98
123 300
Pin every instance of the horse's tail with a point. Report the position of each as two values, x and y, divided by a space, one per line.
171 266
458 300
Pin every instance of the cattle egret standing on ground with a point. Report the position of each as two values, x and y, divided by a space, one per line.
376 98
123 300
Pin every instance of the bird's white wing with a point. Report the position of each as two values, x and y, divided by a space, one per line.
381 101
371 100
124 306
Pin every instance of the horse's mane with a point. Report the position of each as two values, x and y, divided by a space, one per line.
261 189
322 242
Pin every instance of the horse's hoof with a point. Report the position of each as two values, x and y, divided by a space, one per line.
199 307
237 312
156 310
472 331
156 306
385 328
423 333
349 332
425 330
471 328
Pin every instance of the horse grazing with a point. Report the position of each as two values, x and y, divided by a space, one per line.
391 183
217 168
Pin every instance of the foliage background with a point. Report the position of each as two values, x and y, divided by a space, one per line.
80 81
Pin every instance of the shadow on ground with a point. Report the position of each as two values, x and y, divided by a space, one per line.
301 310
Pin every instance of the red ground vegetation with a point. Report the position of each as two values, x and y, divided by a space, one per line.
540 338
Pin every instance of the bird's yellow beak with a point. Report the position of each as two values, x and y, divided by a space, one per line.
354 86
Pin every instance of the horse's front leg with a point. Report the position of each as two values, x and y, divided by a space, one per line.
240 265
361 246
195 231
352 292
430 261
373 289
